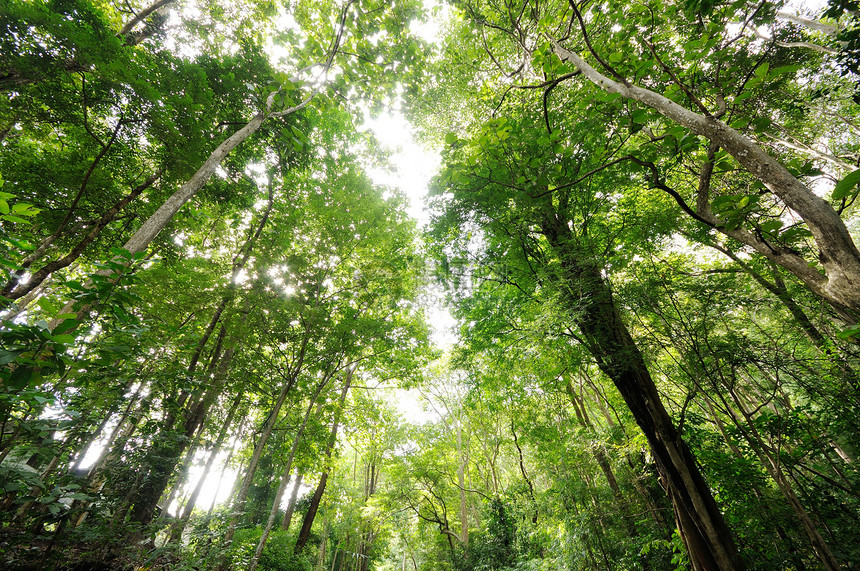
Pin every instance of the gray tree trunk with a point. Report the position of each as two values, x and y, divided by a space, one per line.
837 252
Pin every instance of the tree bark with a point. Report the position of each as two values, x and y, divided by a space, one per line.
182 521
291 505
159 219
265 433
774 469
165 455
702 527
17 291
143 15
285 479
308 521
194 415
837 252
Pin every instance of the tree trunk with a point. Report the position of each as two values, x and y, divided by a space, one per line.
245 487
308 521
285 479
181 476
195 415
166 454
224 468
837 252
176 532
603 461
122 433
702 527
48 269
461 483
797 558
774 469
291 505
159 219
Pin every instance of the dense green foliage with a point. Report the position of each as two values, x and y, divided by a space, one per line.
216 352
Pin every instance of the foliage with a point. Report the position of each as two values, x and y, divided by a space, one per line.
274 326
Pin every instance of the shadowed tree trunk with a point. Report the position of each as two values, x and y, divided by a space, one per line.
176 532
168 454
285 479
308 521
589 297
291 505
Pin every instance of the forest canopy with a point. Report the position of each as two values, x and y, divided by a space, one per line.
222 340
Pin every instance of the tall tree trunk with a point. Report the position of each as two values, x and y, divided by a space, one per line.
702 527
602 461
774 469
797 558
524 473
780 291
166 454
461 483
251 469
292 375
307 522
285 479
14 290
181 522
238 438
291 505
194 416
175 491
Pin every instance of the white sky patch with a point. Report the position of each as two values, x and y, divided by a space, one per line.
413 165
428 30
241 277
413 406
280 53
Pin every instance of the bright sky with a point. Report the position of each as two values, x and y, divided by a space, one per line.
413 164
413 167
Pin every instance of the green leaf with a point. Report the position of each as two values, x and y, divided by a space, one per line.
777 71
121 253
770 226
721 203
850 333
795 233
846 187
48 306
20 378
639 116
118 349
7 356
23 209
17 219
